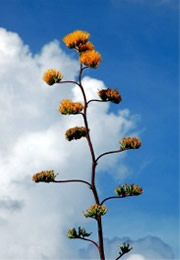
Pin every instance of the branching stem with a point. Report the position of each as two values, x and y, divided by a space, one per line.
120 256
97 100
75 180
113 197
93 169
68 81
103 154
90 240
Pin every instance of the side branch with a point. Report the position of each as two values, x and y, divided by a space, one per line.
116 151
92 241
75 180
97 100
68 81
120 255
113 197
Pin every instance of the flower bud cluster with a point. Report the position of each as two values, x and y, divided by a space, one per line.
52 76
130 143
110 95
68 107
126 190
81 233
75 133
95 210
44 176
125 248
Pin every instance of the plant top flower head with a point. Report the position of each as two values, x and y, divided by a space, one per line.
90 58
75 133
76 38
110 95
52 76
44 176
69 107
95 210
130 143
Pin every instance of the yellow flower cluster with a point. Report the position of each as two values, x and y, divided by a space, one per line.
90 58
75 133
68 107
79 41
110 95
95 210
44 176
52 76
74 39
130 143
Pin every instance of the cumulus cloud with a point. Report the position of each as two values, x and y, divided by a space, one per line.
34 218
135 257
147 248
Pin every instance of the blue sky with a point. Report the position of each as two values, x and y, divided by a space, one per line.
138 41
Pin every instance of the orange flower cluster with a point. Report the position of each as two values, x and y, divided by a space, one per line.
75 133
79 41
95 210
74 39
68 107
110 95
130 143
44 176
52 76
90 58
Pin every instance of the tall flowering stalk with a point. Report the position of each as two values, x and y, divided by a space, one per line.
89 58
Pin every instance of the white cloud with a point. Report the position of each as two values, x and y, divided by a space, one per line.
147 248
35 217
135 257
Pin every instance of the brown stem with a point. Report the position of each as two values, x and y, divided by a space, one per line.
90 240
94 163
116 151
76 180
113 197
68 81
120 256
97 100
